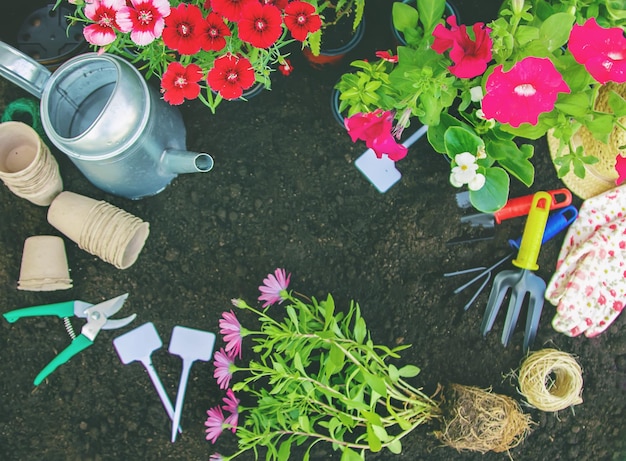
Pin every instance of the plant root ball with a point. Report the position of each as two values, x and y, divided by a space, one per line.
479 420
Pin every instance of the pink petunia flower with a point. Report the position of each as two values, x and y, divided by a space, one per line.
518 96
231 329
214 424
144 19
273 287
216 457
602 51
103 14
223 363
260 25
231 75
375 128
470 57
301 18
231 405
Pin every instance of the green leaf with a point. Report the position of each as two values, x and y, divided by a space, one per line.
576 104
292 316
360 330
395 446
409 371
430 13
617 104
405 17
436 133
372 439
284 451
555 30
514 159
494 194
377 384
459 139
601 126
394 373
348 454
337 357
372 418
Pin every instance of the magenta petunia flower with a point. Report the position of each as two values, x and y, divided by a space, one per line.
144 19
214 423
231 329
620 167
216 457
470 57
179 82
518 96
301 18
231 75
103 13
273 287
375 129
387 56
260 25
182 29
223 363
601 50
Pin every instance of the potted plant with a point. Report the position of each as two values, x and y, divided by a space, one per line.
211 50
539 68
315 376
342 29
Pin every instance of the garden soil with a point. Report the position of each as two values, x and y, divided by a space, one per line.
285 192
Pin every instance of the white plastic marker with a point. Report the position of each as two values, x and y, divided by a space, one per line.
382 172
139 344
190 345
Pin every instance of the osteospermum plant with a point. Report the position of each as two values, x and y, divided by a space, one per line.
209 50
313 375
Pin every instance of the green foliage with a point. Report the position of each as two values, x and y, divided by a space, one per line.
421 85
317 376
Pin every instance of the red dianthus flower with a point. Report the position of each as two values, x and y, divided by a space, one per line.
231 75
180 82
301 19
182 29
260 25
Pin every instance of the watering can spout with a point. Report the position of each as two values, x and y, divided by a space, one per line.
176 161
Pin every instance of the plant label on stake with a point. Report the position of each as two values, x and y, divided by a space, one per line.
382 172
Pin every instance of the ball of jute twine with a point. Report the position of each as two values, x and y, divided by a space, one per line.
551 380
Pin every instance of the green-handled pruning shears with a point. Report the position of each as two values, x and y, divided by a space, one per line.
97 316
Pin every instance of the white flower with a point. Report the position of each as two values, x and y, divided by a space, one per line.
465 172
476 93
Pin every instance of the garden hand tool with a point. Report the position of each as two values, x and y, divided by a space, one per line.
588 286
191 345
522 282
138 344
514 208
557 222
97 316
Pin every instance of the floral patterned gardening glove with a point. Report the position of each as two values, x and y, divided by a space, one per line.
589 285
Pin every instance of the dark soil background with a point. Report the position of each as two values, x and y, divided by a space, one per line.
284 193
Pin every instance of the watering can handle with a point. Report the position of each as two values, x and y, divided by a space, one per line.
533 232
22 70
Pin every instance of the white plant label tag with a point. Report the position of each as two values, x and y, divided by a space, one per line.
381 172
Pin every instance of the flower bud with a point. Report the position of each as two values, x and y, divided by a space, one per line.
517 6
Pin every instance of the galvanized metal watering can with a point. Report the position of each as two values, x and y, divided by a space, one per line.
99 111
